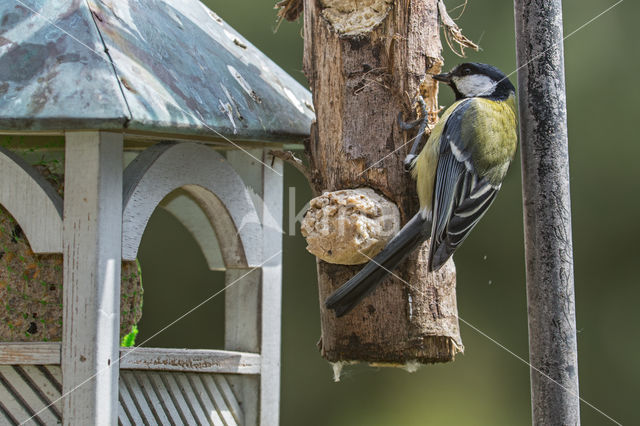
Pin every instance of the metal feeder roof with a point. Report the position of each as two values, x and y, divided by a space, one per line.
153 67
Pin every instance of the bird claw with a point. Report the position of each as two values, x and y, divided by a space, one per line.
422 121
408 125
408 162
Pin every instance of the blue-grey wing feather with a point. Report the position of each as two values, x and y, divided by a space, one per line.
461 197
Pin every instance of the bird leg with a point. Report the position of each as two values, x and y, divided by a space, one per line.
423 121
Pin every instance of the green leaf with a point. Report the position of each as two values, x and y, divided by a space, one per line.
130 339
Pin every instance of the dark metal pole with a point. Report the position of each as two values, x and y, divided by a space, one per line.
547 213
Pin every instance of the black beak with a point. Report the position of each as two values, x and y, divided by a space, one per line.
443 78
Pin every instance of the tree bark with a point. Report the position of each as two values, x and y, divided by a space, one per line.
359 84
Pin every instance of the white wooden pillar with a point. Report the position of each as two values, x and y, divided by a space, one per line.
254 302
92 258
242 333
272 209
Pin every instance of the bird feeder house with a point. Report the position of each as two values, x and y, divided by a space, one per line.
156 103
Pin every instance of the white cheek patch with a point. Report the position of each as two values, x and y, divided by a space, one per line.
474 85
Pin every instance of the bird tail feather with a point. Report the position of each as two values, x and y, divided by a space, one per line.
345 298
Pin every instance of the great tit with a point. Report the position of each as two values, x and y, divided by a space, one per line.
458 174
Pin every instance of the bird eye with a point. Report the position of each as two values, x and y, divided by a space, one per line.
466 71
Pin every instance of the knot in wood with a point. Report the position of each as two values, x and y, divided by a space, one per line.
354 18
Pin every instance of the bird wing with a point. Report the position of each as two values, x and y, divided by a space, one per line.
461 195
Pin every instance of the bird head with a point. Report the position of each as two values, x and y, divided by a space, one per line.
473 79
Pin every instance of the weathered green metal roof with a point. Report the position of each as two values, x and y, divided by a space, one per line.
150 66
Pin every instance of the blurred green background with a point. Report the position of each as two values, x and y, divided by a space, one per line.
486 385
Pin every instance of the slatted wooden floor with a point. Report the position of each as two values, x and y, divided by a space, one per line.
25 390
146 397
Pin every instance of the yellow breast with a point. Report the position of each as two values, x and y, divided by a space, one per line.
424 170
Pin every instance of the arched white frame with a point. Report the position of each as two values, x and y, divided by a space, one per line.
210 181
32 201
188 212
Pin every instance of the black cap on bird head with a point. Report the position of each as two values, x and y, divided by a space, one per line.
473 79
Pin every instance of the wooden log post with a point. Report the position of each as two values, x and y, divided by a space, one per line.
365 61
553 349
